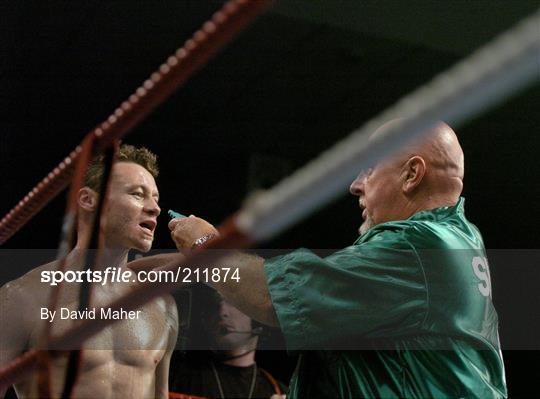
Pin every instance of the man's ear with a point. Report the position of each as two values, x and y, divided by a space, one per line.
87 199
413 172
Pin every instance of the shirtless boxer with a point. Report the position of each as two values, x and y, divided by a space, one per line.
130 358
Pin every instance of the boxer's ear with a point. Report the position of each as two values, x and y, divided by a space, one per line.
87 199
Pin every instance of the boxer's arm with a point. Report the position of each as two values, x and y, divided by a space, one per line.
250 293
14 332
162 369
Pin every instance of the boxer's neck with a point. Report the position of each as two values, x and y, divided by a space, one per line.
108 257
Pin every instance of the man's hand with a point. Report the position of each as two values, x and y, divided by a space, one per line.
185 231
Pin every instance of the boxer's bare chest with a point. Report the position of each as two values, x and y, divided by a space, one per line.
138 337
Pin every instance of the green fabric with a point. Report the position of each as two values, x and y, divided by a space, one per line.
416 292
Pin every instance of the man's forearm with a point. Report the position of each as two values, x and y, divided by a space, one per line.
250 293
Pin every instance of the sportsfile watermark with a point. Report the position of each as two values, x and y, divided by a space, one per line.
112 275
391 296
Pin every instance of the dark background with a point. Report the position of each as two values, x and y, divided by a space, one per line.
299 79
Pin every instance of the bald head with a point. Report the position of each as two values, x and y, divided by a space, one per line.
424 174
441 152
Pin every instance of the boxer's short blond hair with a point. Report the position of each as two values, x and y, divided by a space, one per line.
127 153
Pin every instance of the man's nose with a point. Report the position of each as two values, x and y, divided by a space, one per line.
152 207
357 186
223 309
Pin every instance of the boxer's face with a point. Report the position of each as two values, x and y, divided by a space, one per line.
378 190
132 208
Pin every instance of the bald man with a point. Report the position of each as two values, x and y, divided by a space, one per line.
411 296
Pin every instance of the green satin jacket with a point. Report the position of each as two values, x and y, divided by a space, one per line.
404 312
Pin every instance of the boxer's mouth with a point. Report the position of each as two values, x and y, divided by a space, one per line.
148 225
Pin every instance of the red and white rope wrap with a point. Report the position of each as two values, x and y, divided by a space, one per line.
214 34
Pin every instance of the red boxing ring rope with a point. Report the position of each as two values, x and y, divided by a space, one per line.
214 35
224 25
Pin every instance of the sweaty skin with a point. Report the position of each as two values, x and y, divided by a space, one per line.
128 359
424 175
